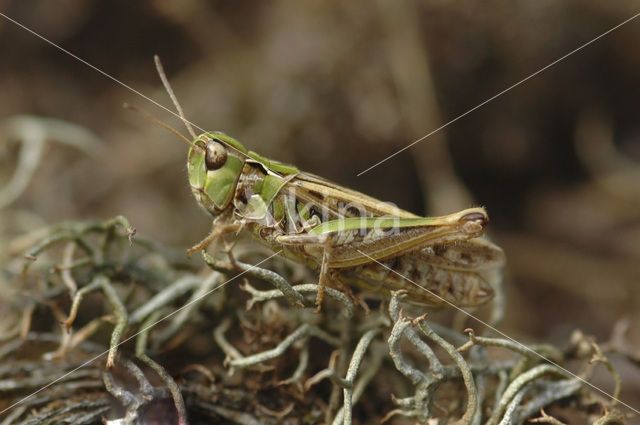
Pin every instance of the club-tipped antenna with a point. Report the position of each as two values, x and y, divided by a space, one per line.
160 123
174 99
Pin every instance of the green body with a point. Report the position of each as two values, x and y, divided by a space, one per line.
361 239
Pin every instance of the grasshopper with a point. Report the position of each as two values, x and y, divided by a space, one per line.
351 238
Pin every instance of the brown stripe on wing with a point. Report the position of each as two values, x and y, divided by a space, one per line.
315 189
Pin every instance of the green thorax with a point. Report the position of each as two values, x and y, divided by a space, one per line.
241 180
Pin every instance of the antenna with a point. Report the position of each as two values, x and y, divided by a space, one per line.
167 87
160 123
187 123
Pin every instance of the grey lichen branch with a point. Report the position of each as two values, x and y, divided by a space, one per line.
136 403
230 351
76 232
354 365
546 419
518 383
294 297
513 405
33 132
237 360
467 376
174 390
549 392
165 297
296 377
426 383
330 373
261 296
119 310
534 351
435 366
599 357
611 417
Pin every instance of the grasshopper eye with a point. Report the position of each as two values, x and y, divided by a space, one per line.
215 156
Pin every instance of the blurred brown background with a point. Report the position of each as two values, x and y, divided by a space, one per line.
334 87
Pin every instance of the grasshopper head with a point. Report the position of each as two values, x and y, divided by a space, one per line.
214 164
